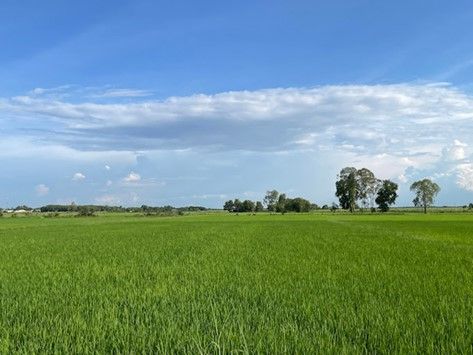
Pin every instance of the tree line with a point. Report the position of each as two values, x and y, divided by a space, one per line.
356 189
272 202
360 189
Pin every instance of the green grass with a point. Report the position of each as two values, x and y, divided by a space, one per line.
224 283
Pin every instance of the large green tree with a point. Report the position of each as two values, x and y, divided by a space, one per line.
355 185
387 194
368 186
347 188
228 206
425 191
248 206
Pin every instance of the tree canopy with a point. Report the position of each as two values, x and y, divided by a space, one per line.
387 195
355 186
426 190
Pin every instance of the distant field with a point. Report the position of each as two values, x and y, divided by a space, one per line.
221 283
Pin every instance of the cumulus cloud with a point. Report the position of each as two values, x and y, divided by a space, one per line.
465 176
132 177
41 190
78 177
456 151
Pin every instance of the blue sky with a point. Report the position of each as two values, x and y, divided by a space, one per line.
184 102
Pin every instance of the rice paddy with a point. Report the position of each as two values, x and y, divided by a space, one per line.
243 284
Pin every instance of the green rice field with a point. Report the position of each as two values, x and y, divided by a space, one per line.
222 283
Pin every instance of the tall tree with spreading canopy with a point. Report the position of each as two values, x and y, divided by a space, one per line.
367 186
347 188
387 195
354 185
425 191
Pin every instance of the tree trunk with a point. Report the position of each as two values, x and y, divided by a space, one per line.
425 209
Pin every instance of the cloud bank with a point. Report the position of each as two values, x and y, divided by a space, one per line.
358 118
400 131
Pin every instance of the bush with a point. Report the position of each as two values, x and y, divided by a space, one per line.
84 211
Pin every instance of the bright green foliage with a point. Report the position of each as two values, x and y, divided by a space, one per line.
271 284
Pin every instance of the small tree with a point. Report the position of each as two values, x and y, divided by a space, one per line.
259 207
281 204
228 206
387 195
248 206
425 191
271 199
237 206
85 211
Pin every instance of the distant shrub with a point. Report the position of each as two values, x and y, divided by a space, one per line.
85 211
52 215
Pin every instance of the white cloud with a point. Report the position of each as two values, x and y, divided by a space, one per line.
402 178
78 177
108 200
113 93
388 128
132 177
41 190
120 198
465 176
22 147
365 120
209 196
456 151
